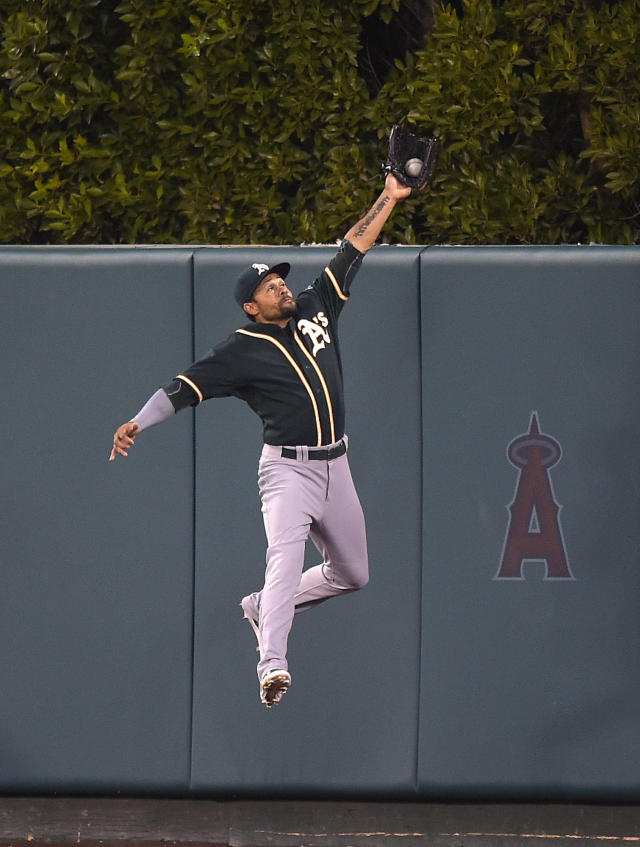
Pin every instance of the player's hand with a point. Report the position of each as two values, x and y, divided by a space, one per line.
123 438
395 189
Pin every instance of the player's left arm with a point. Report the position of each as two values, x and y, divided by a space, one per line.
364 233
335 281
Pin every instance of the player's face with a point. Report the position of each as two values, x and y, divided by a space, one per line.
273 302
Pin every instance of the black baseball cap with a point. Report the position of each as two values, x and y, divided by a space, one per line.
250 279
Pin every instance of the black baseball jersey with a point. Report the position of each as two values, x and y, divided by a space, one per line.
292 376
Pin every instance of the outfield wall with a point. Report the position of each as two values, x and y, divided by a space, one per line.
492 406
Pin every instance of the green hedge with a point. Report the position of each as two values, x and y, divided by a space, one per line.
227 122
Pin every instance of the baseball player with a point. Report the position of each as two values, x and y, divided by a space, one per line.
285 363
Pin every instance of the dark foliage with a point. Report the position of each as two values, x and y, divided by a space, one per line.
185 121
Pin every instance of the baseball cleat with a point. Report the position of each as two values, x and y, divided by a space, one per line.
250 611
273 685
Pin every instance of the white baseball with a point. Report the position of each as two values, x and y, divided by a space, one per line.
412 167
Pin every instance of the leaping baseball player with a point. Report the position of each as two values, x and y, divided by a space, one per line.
285 363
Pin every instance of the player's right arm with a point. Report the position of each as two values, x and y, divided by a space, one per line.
209 377
123 438
157 409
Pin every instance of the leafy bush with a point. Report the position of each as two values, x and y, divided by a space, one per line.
538 105
203 121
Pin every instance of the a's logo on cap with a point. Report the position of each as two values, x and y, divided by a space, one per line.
260 268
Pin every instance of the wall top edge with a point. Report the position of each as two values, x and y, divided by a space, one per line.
191 247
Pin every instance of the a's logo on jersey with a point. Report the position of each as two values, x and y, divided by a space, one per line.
260 267
534 532
316 331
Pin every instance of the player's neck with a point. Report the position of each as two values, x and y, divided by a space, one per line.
282 322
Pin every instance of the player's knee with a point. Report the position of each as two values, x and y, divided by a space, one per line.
362 580
359 575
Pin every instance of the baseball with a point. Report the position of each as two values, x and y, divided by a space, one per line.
412 167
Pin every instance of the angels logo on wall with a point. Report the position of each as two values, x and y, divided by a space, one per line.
534 532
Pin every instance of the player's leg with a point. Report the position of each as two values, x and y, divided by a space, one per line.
292 493
340 536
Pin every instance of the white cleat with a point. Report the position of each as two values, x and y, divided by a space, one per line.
273 685
250 611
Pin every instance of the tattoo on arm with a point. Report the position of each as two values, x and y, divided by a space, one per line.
366 223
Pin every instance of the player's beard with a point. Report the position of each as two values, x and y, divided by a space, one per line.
288 308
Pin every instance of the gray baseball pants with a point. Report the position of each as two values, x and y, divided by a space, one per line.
304 498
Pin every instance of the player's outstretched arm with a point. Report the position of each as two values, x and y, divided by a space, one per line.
124 438
364 233
157 409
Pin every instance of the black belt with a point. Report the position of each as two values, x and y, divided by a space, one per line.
323 454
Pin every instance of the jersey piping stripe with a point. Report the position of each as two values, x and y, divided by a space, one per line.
339 291
324 384
192 384
294 365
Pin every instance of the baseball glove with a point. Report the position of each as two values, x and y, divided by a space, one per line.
411 159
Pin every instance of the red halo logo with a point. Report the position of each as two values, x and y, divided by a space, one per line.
534 532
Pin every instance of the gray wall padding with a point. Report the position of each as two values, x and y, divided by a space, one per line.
127 664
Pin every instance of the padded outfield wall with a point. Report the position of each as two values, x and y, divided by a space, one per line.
492 405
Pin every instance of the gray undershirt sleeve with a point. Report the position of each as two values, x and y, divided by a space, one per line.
157 409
